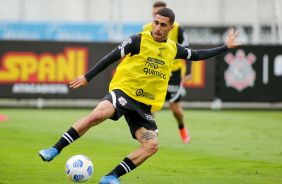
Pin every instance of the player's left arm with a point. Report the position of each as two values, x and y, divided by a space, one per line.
184 53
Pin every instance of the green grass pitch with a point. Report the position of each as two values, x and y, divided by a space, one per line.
227 147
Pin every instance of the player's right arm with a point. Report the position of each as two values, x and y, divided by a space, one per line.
131 45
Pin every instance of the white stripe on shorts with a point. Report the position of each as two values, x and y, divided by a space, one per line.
114 99
177 94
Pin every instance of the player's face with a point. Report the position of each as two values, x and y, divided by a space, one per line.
161 28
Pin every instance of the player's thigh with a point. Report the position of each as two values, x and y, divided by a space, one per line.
145 136
175 106
104 110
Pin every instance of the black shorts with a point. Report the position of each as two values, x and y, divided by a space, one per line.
175 88
136 114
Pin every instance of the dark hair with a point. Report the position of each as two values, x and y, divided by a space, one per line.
158 4
166 12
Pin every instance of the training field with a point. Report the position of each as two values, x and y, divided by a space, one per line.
227 147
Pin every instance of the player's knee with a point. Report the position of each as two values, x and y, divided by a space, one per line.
154 148
95 117
177 111
151 148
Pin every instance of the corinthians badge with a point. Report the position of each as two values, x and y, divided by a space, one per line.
240 73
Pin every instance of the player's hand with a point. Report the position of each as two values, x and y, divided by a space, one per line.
231 39
77 82
188 77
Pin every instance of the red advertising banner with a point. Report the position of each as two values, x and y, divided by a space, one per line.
29 67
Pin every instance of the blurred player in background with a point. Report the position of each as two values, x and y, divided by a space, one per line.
175 88
137 89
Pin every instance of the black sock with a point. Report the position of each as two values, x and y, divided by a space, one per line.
181 126
68 137
124 167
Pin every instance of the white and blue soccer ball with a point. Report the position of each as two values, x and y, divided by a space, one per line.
79 168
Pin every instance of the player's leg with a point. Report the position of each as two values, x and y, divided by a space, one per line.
142 127
173 96
149 146
103 111
178 114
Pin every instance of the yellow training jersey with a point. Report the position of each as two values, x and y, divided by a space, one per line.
173 35
144 76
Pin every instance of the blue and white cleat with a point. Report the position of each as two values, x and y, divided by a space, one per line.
111 179
48 154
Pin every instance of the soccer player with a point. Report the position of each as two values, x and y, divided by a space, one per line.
137 89
175 88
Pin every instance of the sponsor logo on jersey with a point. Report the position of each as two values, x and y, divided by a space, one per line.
122 101
151 66
160 54
157 61
240 73
125 43
140 92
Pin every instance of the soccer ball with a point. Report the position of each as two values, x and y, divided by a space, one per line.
79 168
